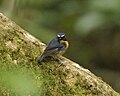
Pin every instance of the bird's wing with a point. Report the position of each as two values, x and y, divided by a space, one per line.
50 52
52 47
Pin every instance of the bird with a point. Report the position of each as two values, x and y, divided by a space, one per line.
57 46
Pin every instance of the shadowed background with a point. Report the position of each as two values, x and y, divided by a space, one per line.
92 28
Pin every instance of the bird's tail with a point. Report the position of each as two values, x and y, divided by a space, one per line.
41 58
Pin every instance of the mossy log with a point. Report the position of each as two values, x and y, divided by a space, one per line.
20 49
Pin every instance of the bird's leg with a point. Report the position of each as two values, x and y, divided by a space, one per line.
59 59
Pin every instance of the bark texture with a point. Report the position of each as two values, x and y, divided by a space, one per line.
20 49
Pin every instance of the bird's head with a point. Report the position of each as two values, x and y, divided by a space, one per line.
61 36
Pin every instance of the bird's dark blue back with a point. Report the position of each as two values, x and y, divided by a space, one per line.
53 44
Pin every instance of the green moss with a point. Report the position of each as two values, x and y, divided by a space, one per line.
15 57
18 80
56 84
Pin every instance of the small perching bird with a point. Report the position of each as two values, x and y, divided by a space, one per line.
57 46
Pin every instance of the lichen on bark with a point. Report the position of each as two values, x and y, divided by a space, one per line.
19 50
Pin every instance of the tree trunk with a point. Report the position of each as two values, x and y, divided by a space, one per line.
19 50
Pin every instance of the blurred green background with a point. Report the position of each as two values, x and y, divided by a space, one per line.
92 28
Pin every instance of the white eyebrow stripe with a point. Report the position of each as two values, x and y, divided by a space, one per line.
62 35
58 35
